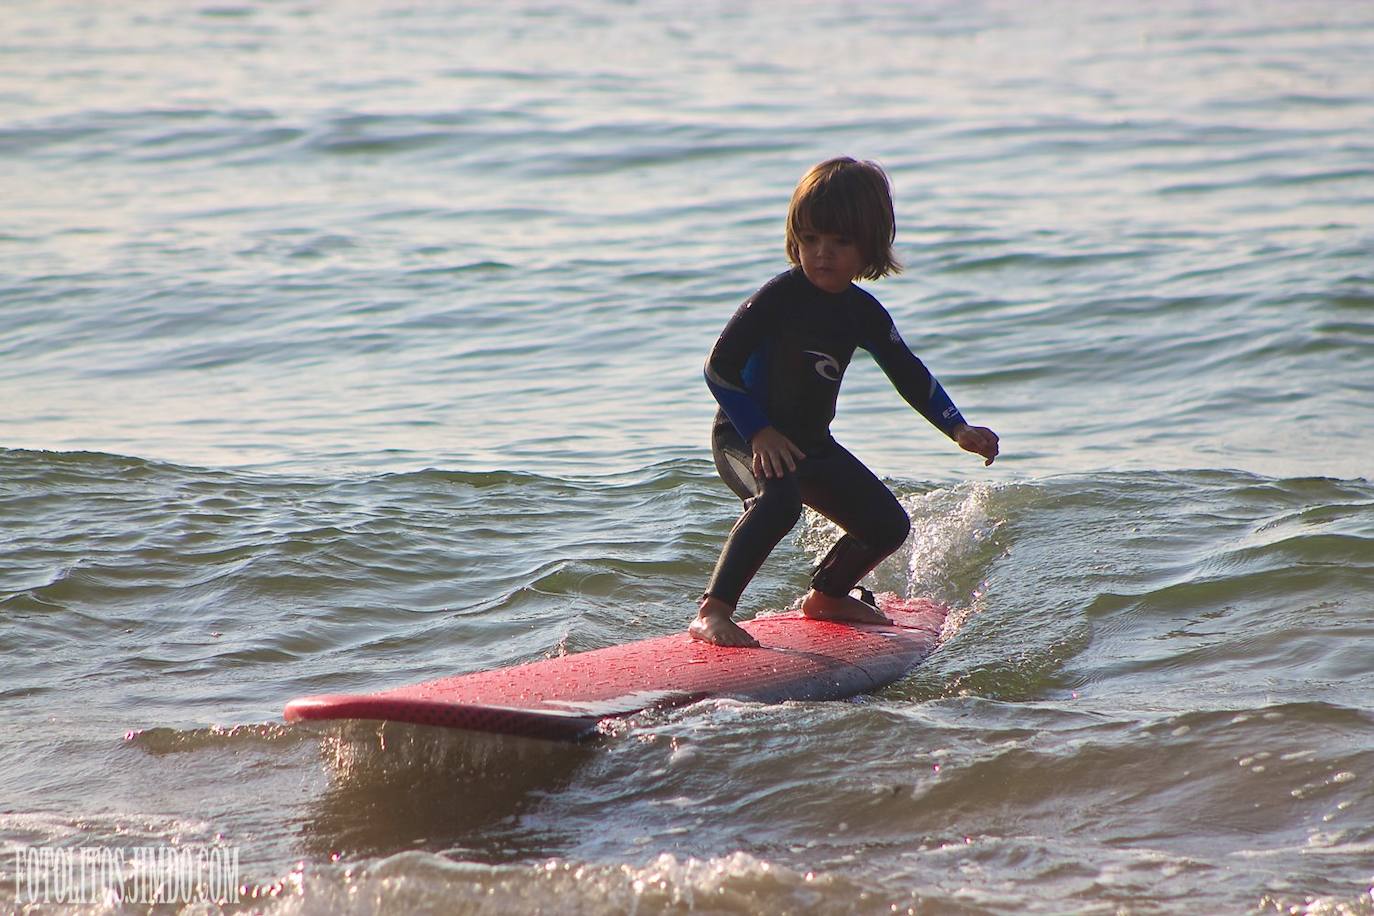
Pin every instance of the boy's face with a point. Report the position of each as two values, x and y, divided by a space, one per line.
829 260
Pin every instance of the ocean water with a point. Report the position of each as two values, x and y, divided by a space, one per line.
344 345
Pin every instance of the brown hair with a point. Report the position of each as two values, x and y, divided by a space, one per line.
847 197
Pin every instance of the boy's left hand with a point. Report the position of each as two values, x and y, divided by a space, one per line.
978 439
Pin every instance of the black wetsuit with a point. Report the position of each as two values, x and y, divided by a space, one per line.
779 362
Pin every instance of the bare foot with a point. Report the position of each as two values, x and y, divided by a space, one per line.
713 625
819 606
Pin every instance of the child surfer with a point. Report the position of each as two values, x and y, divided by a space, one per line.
776 371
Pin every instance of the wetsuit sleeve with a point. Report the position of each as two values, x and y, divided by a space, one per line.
741 341
909 375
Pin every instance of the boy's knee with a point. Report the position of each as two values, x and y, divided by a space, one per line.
893 534
777 508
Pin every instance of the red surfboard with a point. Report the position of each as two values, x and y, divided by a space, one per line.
567 697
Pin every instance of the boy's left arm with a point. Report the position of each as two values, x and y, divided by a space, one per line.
924 392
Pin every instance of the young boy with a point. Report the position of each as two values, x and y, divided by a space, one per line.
776 372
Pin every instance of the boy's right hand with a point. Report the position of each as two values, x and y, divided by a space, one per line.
774 453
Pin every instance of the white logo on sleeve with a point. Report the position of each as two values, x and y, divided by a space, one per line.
827 366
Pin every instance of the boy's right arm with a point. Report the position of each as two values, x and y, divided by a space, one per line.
741 338
774 453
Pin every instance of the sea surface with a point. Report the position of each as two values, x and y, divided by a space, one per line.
349 344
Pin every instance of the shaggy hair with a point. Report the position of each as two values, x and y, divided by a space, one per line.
851 198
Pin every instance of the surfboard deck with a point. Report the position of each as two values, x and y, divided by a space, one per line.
567 697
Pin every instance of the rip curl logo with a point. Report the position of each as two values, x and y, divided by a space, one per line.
827 366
